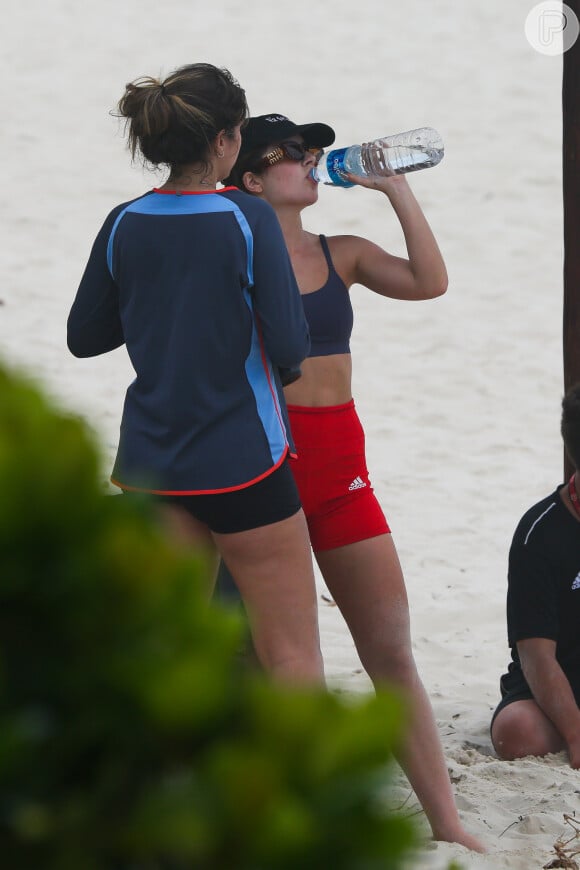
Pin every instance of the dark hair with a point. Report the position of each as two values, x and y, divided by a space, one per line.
245 163
570 426
174 121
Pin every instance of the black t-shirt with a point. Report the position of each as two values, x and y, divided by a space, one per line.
543 597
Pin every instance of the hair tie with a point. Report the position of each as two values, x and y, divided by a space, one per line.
163 91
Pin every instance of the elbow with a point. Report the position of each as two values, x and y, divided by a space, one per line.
290 360
75 347
442 283
429 283
85 340
420 291
434 289
440 289
431 290
79 343
290 355
298 354
83 346
76 337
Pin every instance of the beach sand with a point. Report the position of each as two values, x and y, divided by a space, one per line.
460 396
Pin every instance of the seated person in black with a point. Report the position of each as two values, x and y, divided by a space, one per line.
539 711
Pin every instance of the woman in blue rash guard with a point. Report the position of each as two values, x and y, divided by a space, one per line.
197 283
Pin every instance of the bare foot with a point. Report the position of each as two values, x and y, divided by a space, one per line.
462 837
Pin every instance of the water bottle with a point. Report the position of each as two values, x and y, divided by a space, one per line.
392 155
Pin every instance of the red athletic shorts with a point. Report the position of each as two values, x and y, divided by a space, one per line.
332 476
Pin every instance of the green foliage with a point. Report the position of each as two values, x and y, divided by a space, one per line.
131 738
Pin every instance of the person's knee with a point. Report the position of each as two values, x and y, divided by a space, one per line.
293 664
519 730
391 663
507 740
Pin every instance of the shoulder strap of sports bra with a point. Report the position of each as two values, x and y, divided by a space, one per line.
326 252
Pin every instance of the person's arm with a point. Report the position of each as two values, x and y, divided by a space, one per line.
423 275
552 691
94 323
276 295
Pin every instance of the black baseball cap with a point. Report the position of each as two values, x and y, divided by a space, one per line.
270 129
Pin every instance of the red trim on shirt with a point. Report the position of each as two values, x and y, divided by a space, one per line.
203 491
193 192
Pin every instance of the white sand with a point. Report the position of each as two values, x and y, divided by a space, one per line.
460 397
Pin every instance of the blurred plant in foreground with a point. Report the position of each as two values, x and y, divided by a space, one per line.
131 736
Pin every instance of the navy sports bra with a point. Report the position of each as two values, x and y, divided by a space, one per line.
329 313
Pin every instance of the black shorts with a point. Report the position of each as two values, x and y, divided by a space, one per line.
513 687
273 499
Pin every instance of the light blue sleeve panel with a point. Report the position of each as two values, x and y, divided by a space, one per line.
262 382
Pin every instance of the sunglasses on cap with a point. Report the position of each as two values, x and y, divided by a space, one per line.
289 150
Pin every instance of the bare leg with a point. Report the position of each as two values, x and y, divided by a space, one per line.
522 728
366 581
187 532
272 566
274 573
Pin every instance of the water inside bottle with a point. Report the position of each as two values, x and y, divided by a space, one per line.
396 160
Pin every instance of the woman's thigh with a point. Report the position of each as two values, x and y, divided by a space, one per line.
272 567
366 581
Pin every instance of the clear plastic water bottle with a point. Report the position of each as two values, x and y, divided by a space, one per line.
392 155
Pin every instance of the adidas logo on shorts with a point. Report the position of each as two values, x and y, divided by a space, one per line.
576 583
358 483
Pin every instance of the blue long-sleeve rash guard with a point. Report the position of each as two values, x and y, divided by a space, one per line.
200 289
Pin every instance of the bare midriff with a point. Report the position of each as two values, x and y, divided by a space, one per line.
325 381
